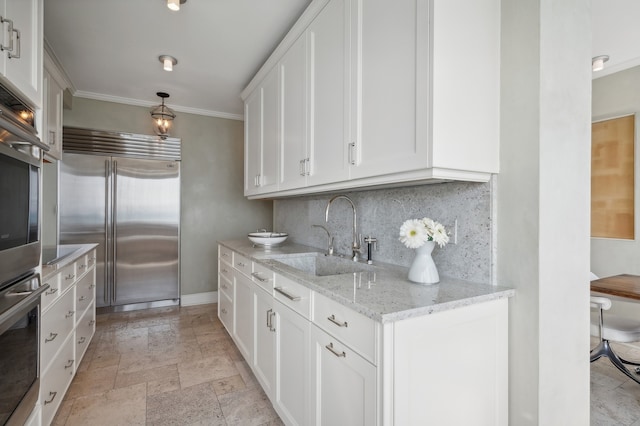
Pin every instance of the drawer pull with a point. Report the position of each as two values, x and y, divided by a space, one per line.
336 353
83 266
224 271
70 314
240 264
53 396
223 310
333 319
81 299
69 364
224 286
92 322
82 340
225 255
51 338
51 291
287 294
70 277
92 286
257 276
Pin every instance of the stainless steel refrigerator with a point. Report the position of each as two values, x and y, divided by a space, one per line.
131 207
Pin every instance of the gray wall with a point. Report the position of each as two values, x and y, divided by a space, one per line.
380 214
213 207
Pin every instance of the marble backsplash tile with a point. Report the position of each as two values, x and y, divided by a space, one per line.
380 214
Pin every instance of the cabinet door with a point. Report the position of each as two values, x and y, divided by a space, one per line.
252 141
243 315
53 116
390 112
328 50
24 65
263 363
268 180
293 149
344 384
292 399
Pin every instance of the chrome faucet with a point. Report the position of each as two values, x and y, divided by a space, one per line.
330 246
355 247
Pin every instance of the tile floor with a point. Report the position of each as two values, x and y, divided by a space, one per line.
178 366
164 366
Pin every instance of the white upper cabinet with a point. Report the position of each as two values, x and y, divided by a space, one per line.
390 93
53 86
21 55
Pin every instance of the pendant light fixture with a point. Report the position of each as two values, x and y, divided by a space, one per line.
162 117
175 4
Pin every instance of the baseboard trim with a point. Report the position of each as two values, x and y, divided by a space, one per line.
198 298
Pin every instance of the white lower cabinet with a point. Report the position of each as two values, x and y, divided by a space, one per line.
263 361
293 366
243 315
68 325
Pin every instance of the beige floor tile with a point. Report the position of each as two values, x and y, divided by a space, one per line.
104 358
156 387
248 378
143 376
196 405
146 360
205 370
124 406
228 384
93 381
63 412
249 407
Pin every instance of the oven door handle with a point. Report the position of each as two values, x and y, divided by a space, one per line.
22 306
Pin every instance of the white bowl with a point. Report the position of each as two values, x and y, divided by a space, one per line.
267 238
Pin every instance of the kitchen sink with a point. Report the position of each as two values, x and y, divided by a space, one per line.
322 265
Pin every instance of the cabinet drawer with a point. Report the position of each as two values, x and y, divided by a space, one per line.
85 293
352 328
225 254
82 265
294 295
225 312
242 264
226 287
52 293
84 332
262 276
57 324
67 276
91 258
225 269
55 381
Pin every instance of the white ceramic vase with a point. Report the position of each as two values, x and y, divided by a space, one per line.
423 270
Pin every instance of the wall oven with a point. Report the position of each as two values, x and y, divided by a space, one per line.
20 287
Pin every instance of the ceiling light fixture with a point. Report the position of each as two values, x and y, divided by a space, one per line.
175 4
167 62
162 117
597 62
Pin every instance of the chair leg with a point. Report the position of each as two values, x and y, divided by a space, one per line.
604 349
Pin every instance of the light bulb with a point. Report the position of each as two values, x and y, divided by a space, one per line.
173 5
168 64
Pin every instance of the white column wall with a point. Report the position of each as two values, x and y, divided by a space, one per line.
543 207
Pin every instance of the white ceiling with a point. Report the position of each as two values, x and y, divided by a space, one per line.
110 48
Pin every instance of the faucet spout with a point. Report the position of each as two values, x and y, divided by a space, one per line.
355 247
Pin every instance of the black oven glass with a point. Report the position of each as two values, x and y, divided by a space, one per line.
19 189
18 361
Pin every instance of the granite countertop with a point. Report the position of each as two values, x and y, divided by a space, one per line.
383 293
72 253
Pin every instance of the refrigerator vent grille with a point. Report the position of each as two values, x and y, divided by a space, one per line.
99 142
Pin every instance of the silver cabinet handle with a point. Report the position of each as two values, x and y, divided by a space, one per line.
269 318
70 314
225 255
82 340
51 291
82 266
69 364
92 286
333 319
70 277
336 353
224 271
240 264
53 396
223 310
257 276
307 166
352 156
287 294
81 299
300 168
16 55
92 322
10 31
224 286
51 337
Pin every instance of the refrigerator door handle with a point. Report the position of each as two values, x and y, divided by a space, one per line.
114 220
107 174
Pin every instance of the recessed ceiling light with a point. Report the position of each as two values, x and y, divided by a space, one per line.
167 62
597 62
175 4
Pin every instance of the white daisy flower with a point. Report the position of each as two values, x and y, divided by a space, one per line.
413 233
440 235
